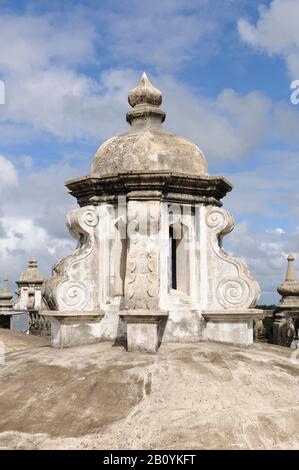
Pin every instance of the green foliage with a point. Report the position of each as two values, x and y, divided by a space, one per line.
266 307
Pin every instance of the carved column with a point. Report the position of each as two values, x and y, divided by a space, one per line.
142 285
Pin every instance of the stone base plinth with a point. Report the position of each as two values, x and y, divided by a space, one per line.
231 326
280 331
143 329
285 326
71 328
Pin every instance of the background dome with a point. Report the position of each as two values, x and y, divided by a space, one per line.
147 147
32 274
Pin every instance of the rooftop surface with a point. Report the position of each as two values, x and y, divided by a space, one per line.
196 396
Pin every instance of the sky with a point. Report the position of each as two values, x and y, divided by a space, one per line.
225 68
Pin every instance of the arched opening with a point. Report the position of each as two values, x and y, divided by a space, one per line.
179 259
172 259
123 263
118 260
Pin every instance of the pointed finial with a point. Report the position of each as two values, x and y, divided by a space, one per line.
291 273
145 93
290 286
5 294
145 100
5 288
32 263
5 298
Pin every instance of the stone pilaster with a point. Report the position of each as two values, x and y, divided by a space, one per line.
142 272
142 286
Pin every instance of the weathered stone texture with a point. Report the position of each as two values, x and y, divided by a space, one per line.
161 254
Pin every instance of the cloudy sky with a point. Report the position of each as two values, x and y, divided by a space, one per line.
225 68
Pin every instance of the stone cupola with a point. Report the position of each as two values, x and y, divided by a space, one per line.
147 157
149 266
29 288
32 275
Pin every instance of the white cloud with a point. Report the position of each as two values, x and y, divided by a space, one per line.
31 42
21 234
22 238
265 253
48 94
265 205
27 161
70 106
269 189
32 218
163 36
277 231
8 173
286 122
166 35
276 32
40 57
227 128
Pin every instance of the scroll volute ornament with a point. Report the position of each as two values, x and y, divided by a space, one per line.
68 288
232 285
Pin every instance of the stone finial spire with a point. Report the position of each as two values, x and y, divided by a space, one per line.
291 273
5 294
145 100
288 307
290 286
145 93
5 297
32 263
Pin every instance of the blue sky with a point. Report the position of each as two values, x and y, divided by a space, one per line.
224 68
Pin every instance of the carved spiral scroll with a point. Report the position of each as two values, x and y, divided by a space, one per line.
233 292
215 219
88 216
220 219
82 220
73 295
